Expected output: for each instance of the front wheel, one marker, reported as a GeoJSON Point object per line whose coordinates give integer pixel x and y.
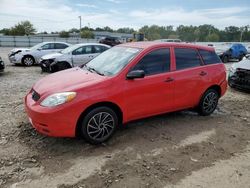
{"type": "Point", "coordinates": [99, 125]}
{"type": "Point", "coordinates": [28, 61]}
{"type": "Point", "coordinates": [208, 102]}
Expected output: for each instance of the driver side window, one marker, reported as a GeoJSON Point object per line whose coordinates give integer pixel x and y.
{"type": "Point", "coordinates": [155, 62]}
{"type": "Point", "coordinates": [48, 46]}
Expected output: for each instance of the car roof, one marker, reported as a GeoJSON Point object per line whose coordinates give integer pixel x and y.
{"type": "Point", "coordinates": [55, 42]}
{"type": "Point", "coordinates": [155, 44]}
{"type": "Point", "coordinates": [87, 44]}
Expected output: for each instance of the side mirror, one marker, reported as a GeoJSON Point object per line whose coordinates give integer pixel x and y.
{"type": "Point", "coordinates": [135, 74]}
{"type": "Point", "coordinates": [39, 49]}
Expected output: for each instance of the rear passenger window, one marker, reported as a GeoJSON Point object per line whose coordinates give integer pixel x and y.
{"type": "Point", "coordinates": [186, 58]}
{"type": "Point", "coordinates": [209, 57]}
{"type": "Point", "coordinates": [60, 46]}
{"type": "Point", "coordinates": [155, 62]}
{"type": "Point", "coordinates": [99, 49]}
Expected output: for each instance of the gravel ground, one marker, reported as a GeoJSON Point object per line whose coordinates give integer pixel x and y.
{"type": "Point", "coordinates": [178, 149]}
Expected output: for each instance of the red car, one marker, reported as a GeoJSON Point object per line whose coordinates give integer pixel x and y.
{"type": "Point", "coordinates": [127, 82]}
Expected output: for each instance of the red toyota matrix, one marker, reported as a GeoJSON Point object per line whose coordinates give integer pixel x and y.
{"type": "Point", "coordinates": [127, 82]}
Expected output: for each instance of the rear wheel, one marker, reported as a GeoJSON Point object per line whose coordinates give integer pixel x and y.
{"type": "Point", "coordinates": [28, 61]}
{"type": "Point", "coordinates": [99, 125]}
{"type": "Point", "coordinates": [241, 57]}
{"type": "Point", "coordinates": [208, 102]}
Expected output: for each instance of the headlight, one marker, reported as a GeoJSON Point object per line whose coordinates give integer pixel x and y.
{"type": "Point", "coordinates": [58, 98]}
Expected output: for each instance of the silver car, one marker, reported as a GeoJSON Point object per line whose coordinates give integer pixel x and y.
{"type": "Point", "coordinates": [72, 56]}
{"type": "Point", "coordinates": [30, 56]}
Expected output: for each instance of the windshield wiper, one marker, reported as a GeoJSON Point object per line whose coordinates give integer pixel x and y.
{"type": "Point", "coordinates": [91, 69]}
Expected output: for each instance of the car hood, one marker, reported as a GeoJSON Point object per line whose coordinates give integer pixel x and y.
{"type": "Point", "coordinates": [17, 50]}
{"type": "Point", "coordinates": [20, 49]}
{"type": "Point", "coordinates": [244, 64]}
{"type": "Point", "coordinates": [67, 80]}
{"type": "Point", "coordinates": [52, 56]}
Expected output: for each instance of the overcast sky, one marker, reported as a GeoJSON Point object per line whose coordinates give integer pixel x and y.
{"type": "Point", "coordinates": [56, 15]}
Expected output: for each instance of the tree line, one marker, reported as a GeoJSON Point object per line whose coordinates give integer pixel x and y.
{"type": "Point", "coordinates": [203, 33]}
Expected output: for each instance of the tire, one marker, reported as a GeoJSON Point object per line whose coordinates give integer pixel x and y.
{"type": "Point", "coordinates": [225, 59]}
{"type": "Point", "coordinates": [241, 57]}
{"type": "Point", "coordinates": [208, 102]}
{"type": "Point", "coordinates": [99, 125]}
{"type": "Point", "coordinates": [28, 61]}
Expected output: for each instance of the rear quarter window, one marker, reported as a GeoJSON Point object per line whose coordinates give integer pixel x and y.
{"type": "Point", "coordinates": [209, 57]}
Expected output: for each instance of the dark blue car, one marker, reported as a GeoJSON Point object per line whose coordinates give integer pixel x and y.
{"type": "Point", "coordinates": [236, 51]}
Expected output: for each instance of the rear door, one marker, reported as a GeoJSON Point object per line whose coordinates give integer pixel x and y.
{"type": "Point", "coordinates": [188, 77]}
{"type": "Point", "coordinates": [152, 94]}
{"type": "Point", "coordinates": [60, 46]}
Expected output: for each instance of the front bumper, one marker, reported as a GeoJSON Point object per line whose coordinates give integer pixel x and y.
{"type": "Point", "coordinates": [15, 59]}
{"type": "Point", "coordinates": [56, 122]}
{"type": "Point", "coordinates": [239, 80]}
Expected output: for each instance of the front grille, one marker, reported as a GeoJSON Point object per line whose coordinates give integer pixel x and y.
{"type": "Point", "coordinates": [35, 95]}
{"type": "Point", "coordinates": [243, 76]}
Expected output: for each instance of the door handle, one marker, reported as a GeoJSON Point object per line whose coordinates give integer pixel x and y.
{"type": "Point", "coordinates": [91, 56]}
{"type": "Point", "coordinates": [202, 73]}
{"type": "Point", "coordinates": [169, 79]}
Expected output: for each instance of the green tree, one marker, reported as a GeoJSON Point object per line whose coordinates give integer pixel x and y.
{"type": "Point", "coordinates": [213, 37]}
{"type": "Point", "coordinates": [23, 28]}
{"type": "Point", "coordinates": [87, 34]}
{"type": "Point", "coordinates": [64, 34]}
{"type": "Point", "coordinates": [73, 30]}
{"type": "Point", "coordinates": [5, 31]}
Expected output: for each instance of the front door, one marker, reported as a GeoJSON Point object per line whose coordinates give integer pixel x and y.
{"type": "Point", "coordinates": [152, 94]}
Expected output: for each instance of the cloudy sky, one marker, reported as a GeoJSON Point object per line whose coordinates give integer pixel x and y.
{"type": "Point", "coordinates": [56, 15]}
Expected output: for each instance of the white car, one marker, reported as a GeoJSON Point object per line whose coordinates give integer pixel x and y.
{"type": "Point", "coordinates": [30, 56]}
{"type": "Point", "coordinates": [72, 56]}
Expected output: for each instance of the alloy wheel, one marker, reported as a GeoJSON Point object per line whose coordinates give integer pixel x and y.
{"type": "Point", "coordinates": [100, 126]}
{"type": "Point", "coordinates": [210, 102]}
{"type": "Point", "coordinates": [28, 61]}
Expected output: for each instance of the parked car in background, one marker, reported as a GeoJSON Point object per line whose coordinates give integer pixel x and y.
{"type": "Point", "coordinates": [126, 82]}
{"type": "Point", "coordinates": [2, 66]}
{"type": "Point", "coordinates": [236, 51]}
{"type": "Point", "coordinates": [239, 75]}
{"type": "Point", "coordinates": [111, 41]}
{"type": "Point", "coordinates": [72, 56]}
{"type": "Point", "coordinates": [168, 40]}
{"type": "Point", "coordinates": [31, 56]}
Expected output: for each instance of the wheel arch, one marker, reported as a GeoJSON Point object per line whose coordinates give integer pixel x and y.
{"type": "Point", "coordinates": [111, 105]}
{"type": "Point", "coordinates": [216, 88]}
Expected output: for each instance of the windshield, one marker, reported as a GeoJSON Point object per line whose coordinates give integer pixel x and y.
{"type": "Point", "coordinates": [36, 46]}
{"type": "Point", "coordinates": [70, 49]}
{"type": "Point", "coordinates": [113, 60]}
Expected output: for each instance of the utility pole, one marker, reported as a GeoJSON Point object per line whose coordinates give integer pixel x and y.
{"type": "Point", "coordinates": [80, 17]}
